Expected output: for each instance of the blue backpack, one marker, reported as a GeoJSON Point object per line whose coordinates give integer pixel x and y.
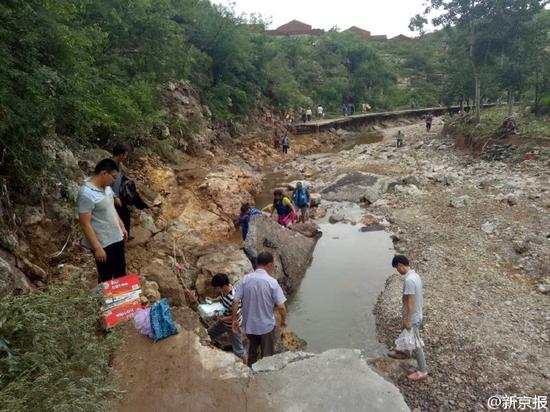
{"type": "Point", "coordinates": [301, 198]}
{"type": "Point", "coordinates": [162, 323]}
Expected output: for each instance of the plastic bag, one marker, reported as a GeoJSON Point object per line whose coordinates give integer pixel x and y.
{"type": "Point", "coordinates": [142, 322]}
{"type": "Point", "coordinates": [406, 341]}
{"type": "Point", "coordinates": [162, 323]}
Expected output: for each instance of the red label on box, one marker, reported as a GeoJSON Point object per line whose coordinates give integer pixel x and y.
{"type": "Point", "coordinates": [120, 313]}
{"type": "Point", "coordinates": [119, 286]}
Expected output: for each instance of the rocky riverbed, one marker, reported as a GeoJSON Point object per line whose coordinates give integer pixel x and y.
{"type": "Point", "coordinates": [478, 234]}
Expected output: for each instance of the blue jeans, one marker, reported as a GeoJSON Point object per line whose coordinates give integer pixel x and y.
{"type": "Point", "coordinates": [219, 328]}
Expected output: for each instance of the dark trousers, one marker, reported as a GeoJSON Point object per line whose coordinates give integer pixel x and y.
{"type": "Point", "coordinates": [266, 344]}
{"type": "Point", "coordinates": [115, 265]}
{"type": "Point", "coordinates": [124, 214]}
{"type": "Point", "coordinates": [285, 149]}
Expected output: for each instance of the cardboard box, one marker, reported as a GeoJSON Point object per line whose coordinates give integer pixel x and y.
{"type": "Point", "coordinates": [119, 313]}
{"type": "Point", "coordinates": [112, 290]}
{"type": "Point", "coordinates": [119, 299]}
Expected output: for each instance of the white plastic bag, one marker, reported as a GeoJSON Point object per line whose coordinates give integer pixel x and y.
{"type": "Point", "coordinates": [406, 341]}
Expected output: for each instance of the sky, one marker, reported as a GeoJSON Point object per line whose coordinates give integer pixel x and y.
{"type": "Point", "coordinates": [389, 17]}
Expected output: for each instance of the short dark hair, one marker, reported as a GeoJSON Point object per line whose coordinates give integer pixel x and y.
{"type": "Point", "coordinates": [245, 207]}
{"type": "Point", "coordinates": [220, 279]}
{"type": "Point", "coordinates": [120, 148]}
{"type": "Point", "coordinates": [264, 258]}
{"type": "Point", "coordinates": [106, 165]}
{"type": "Point", "coordinates": [397, 259]}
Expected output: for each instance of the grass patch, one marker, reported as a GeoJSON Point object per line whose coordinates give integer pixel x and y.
{"type": "Point", "coordinates": [56, 359]}
{"type": "Point", "coordinates": [529, 126]}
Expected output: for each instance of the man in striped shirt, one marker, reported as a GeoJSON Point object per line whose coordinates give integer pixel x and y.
{"type": "Point", "coordinates": [220, 282]}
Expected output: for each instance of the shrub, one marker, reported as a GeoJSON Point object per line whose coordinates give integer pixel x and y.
{"type": "Point", "coordinates": [56, 359]}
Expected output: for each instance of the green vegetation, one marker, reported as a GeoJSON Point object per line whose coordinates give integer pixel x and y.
{"type": "Point", "coordinates": [54, 359]}
{"type": "Point", "coordinates": [92, 71]}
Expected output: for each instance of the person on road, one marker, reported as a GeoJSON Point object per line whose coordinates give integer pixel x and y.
{"type": "Point", "coordinates": [309, 114]}
{"type": "Point", "coordinates": [429, 119]}
{"type": "Point", "coordinates": [400, 139]}
{"type": "Point", "coordinates": [104, 232]}
{"type": "Point", "coordinates": [344, 109]}
{"type": "Point", "coordinates": [224, 324]}
{"type": "Point", "coordinates": [320, 112]}
{"type": "Point", "coordinates": [285, 144]}
{"type": "Point", "coordinates": [259, 294]}
{"type": "Point", "coordinates": [300, 198]}
{"type": "Point", "coordinates": [284, 208]}
{"type": "Point", "coordinates": [412, 311]}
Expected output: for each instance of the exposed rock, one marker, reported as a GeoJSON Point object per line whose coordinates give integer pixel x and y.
{"type": "Point", "coordinates": [317, 213]}
{"type": "Point", "coordinates": [32, 271]}
{"type": "Point", "coordinates": [140, 236]}
{"type": "Point", "coordinates": [167, 279]}
{"type": "Point", "coordinates": [544, 289]}
{"type": "Point", "coordinates": [488, 227]}
{"type": "Point", "coordinates": [314, 199]}
{"type": "Point", "coordinates": [148, 223]}
{"type": "Point", "coordinates": [12, 280]}
{"type": "Point", "coordinates": [292, 251]}
{"type": "Point", "coordinates": [298, 382]}
{"type": "Point", "coordinates": [336, 218]}
{"type": "Point", "coordinates": [307, 229]}
{"type": "Point", "coordinates": [8, 241]}
{"type": "Point", "coordinates": [32, 216]}
{"type": "Point", "coordinates": [182, 238]}
{"type": "Point", "coordinates": [372, 228]}
{"type": "Point", "coordinates": [357, 187]}
{"type": "Point", "coordinates": [521, 246]}
{"type": "Point", "coordinates": [234, 263]}
{"type": "Point", "coordinates": [95, 155]}
{"type": "Point", "coordinates": [459, 202]}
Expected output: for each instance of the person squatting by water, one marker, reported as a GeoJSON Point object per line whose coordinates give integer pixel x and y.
{"type": "Point", "coordinates": [259, 294]}
{"type": "Point", "coordinates": [411, 311]}
{"type": "Point", "coordinates": [244, 218]}
{"type": "Point", "coordinates": [285, 144]}
{"type": "Point", "coordinates": [300, 198]}
{"type": "Point", "coordinates": [224, 324]}
{"type": "Point", "coordinates": [104, 232]}
{"type": "Point", "coordinates": [284, 208]}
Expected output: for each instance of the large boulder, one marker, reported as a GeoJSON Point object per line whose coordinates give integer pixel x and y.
{"type": "Point", "coordinates": [297, 381]}
{"type": "Point", "coordinates": [167, 279]}
{"type": "Point", "coordinates": [292, 251]}
{"type": "Point", "coordinates": [233, 262]}
{"type": "Point", "coordinates": [12, 280]}
{"type": "Point", "coordinates": [357, 187]}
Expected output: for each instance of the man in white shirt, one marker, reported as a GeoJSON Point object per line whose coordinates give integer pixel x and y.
{"type": "Point", "coordinates": [259, 294]}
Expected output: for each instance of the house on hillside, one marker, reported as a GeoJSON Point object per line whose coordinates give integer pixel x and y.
{"type": "Point", "coordinates": [295, 28]}
{"type": "Point", "coordinates": [365, 34]}
{"type": "Point", "coordinates": [401, 37]}
{"type": "Point", "coordinates": [360, 32]}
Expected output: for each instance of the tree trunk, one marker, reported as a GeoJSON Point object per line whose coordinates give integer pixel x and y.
{"type": "Point", "coordinates": [475, 69]}
{"type": "Point", "coordinates": [510, 102]}
{"type": "Point", "coordinates": [537, 97]}
{"type": "Point", "coordinates": [477, 101]}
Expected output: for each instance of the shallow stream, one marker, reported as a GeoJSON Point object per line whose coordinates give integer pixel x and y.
{"type": "Point", "coordinates": [333, 306]}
